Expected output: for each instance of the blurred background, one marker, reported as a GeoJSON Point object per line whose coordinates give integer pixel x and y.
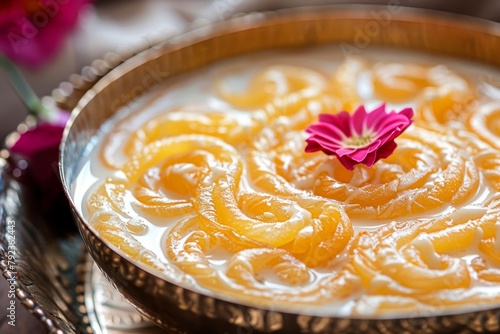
{"type": "Point", "coordinates": [124, 25]}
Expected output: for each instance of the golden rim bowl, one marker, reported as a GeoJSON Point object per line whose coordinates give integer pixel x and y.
{"type": "Point", "coordinates": [180, 310]}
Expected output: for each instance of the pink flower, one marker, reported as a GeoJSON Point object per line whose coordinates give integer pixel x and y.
{"type": "Point", "coordinates": [31, 31]}
{"type": "Point", "coordinates": [359, 138]}
{"type": "Point", "coordinates": [36, 154]}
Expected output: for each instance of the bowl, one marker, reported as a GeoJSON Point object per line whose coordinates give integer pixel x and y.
{"type": "Point", "coordinates": [180, 310]}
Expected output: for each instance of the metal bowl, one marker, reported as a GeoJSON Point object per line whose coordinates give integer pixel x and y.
{"type": "Point", "coordinates": [180, 310]}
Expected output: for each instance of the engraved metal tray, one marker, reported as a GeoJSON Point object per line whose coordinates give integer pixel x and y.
{"type": "Point", "coordinates": [59, 283]}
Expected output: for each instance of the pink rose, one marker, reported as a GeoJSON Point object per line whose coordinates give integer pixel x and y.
{"type": "Point", "coordinates": [31, 31]}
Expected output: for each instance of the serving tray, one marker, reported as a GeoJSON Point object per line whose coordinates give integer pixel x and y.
{"type": "Point", "coordinates": [58, 282]}
{"type": "Point", "coordinates": [55, 278]}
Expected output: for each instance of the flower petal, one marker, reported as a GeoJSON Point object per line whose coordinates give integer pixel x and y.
{"type": "Point", "coordinates": [370, 159]}
{"type": "Point", "coordinates": [340, 121]}
{"type": "Point", "coordinates": [357, 122]}
{"type": "Point", "coordinates": [408, 112]}
{"type": "Point", "coordinates": [346, 151]}
{"type": "Point", "coordinates": [376, 116]}
{"type": "Point", "coordinates": [326, 130]}
{"type": "Point", "coordinates": [359, 155]}
{"type": "Point", "coordinates": [386, 150]}
{"type": "Point", "coordinates": [317, 145]}
{"type": "Point", "coordinates": [392, 123]}
{"type": "Point", "coordinates": [347, 162]}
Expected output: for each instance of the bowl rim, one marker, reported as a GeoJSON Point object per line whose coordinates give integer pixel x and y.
{"type": "Point", "coordinates": [249, 21]}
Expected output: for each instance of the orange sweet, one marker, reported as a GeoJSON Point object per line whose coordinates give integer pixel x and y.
{"type": "Point", "coordinates": [246, 213]}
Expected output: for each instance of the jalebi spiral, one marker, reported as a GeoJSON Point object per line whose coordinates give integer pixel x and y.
{"type": "Point", "coordinates": [244, 212]}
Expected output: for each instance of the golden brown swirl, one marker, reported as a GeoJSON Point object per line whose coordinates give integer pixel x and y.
{"type": "Point", "coordinates": [246, 213]}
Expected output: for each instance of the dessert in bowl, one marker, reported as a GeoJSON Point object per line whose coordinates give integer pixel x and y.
{"type": "Point", "coordinates": [198, 197]}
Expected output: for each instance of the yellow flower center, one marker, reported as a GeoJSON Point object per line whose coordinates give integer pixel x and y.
{"type": "Point", "coordinates": [359, 141]}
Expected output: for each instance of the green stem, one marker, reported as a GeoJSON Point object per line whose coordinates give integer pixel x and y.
{"type": "Point", "coordinates": [22, 87]}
